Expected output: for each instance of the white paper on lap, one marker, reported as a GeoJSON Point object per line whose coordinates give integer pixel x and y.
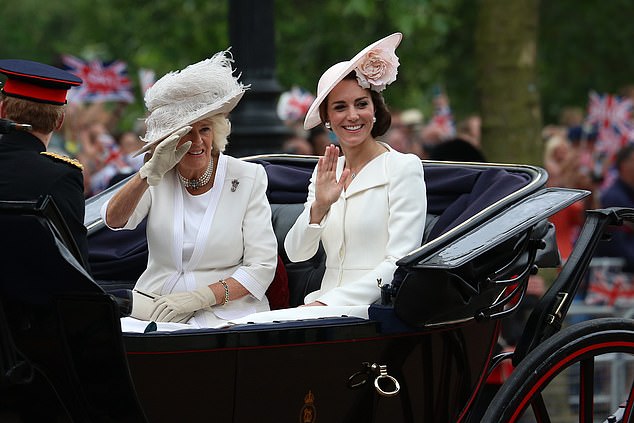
{"type": "Point", "coordinates": [130, 324]}
{"type": "Point", "coordinates": [301, 313]}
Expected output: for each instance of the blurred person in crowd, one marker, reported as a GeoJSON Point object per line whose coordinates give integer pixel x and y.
{"type": "Point", "coordinates": [212, 250]}
{"type": "Point", "coordinates": [561, 161]}
{"type": "Point", "coordinates": [101, 156]}
{"type": "Point", "coordinates": [441, 126]}
{"type": "Point", "coordinates": [370, 186]}
{"type": "Point", "coordinates": [591, 163]}
{"type": "Point", "coordinates": [621, 194]}
{"type": "Point", "coordinates": [319, 139]}
{"type": "Point", "coordinates": [456, 149]}
{"type": "Point", "coordinates": [412, 122]}
{"type": "Point", "coordinates": [35, 94]}
{"type": "Point", "coordinates": [431, 135]}
{"type": "Point", "coordinates": [397, 139]}
{"type": "Point", "coordinates": [297, 145]}
{"type": "Point", "coordinates": [469, 129]}
{"type": "Point", "coordinates": [129, 143]}
{"type": "Point", "coordinates": [549, 131]}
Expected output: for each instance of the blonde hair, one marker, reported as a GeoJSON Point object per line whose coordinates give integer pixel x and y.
{"type": "Point", "coordinates": [552, 144]}
{"type": "Point", "coordinates": [221, 128]}
{"type": "Point", "coordinates": [44, 118]}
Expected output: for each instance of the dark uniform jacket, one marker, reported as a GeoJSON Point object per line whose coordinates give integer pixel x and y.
{"type": "Point", "coordinates": [27, 172]}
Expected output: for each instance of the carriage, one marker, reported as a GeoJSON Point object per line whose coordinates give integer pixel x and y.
{"type": "Point", "coordinates": [428, 350]}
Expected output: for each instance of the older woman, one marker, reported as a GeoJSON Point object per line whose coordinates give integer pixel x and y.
{"type": "Point", "coordinates": [212, 250]}
{"type": "Point", "coordinates": [367, 206]}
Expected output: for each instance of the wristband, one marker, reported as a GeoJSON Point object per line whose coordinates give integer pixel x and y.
{"type": "Point", "coordinates": [226, 287]}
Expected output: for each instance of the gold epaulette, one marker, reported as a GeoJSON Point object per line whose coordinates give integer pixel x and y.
{"type": "Point", "coordinates": [65, 159]}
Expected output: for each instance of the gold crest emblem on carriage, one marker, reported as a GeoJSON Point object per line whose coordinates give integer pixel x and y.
{"type": "Point", "coordinates": [308, 413]}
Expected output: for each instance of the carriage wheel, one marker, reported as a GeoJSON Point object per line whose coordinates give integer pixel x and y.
{"type": "Point", "coordinates": [562, 379]}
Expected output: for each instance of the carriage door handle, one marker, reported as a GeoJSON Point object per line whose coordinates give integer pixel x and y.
{"type": "Point", "coordinates": [384, 384]}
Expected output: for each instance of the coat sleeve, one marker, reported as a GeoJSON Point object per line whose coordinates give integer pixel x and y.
{"type": "Point", "coordinates": [140, 212]}
{"type": "Point", "coordinates": [407, 203]}
{"type": "Point", "coordinates": [260, 245]}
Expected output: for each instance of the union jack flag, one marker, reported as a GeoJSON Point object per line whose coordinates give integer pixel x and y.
{"type": "Point", "coordinates": [612, 116]}
{"type": "Point", "coordinates": [610, 288]}
{"type": "Point", "coordinates": [103, 81]}
{"type": "Point", "coordinates": [294, 104]}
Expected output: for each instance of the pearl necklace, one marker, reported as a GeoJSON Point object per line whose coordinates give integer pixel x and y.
{"type": "Point", "coordinates": [200, 182]}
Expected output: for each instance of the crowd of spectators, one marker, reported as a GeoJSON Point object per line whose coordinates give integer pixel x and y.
{"type": "Point", "coordinates": [90, 134]}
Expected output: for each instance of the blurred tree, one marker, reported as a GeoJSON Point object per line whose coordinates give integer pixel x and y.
{"type": "Point", "coordinates": [583, 45]}
{"type": "Point", "coordinates": [506, 38]}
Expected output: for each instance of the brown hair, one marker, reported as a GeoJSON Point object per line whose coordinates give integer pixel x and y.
{"type": "Point", "coordinates": [42, 117]}
{"type": "Point", "coordinates": [381, 112]}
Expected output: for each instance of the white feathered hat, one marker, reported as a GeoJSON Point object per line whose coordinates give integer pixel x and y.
{"type": "Point", "coordinates": [183, 97]}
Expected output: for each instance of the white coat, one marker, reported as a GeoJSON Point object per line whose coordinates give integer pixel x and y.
{"type": "Point", "coordinates": [235, 239]}
{"type": "Point", "coordinates": [377, 220]}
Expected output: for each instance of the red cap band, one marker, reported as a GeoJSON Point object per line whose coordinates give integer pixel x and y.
{"type": "Point", "coordinates": [37, 92]}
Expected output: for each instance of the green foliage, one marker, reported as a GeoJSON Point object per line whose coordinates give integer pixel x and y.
{"type": "Point", "coordinates": [582, 45]}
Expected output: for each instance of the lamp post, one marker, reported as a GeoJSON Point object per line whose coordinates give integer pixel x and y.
{"type": "Point", "coordinates": [256, 128]}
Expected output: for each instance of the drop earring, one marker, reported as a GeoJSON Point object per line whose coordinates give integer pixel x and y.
{"type": "Point", "coordinates": [373, 119]}
{"type": "Point", "coordinates": [327, 125]}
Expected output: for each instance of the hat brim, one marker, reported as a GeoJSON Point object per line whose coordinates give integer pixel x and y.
{"type": "Point", "coordinates": [339, 71]}
{"type": "Point", "coordinates": [203, 113]}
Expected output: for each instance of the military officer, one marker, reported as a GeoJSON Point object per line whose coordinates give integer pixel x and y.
{"type": "Point", "coordinates": [35, 94]}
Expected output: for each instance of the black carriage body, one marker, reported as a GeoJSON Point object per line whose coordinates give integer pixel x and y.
{"type": "Point", "coordinates": [275, 372]}
{"type": "Point", "coordinates": [434, 330]}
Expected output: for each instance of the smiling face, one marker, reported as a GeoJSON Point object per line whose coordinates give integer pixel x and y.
{"type": "Point", "coordinates": [350, 111]}
{"type": "Point", "coordinates": [197, 159]}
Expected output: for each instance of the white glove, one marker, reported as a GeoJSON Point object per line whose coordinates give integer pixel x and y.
{"type": "Point", "coordinates": [165, 157]}
{"type": "Point", "coordinates": [143, 305]}
{"type": "Point", "coordinates": [172, 307]}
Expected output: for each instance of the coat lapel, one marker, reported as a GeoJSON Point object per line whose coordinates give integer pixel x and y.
{"type": "Point", "coordinates": [372, 175]}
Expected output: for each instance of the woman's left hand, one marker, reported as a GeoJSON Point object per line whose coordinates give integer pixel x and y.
{"type": "Point", "coordinates": [165, 157]}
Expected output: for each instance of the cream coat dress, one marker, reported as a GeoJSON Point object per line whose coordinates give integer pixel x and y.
{"type": "Point", "coordinates": [235, 239]}
{"type": "Point", "coordinates": [377, 220]}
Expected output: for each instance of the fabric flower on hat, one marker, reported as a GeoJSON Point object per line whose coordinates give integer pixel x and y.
{"type": "Point", "coordinates": [377, 69]}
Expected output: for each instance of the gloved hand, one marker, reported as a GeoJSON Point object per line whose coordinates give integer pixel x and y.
{"type": "Point", "coordinates": [165, 157]}
{"type": "Point", "coordinates": [171, 307]}
{"type": "Point", "coordinates": [143, 305]}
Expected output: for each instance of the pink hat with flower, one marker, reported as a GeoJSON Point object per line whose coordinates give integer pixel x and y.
{"type": "Point", "coordinates": [376, 67]}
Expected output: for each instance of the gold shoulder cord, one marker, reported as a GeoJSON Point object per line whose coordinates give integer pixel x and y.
{"type": "Point", "coordinates": [65, 159]}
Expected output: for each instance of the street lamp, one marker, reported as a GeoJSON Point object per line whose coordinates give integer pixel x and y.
{"type": "Point", "coordinates": [256, 127]}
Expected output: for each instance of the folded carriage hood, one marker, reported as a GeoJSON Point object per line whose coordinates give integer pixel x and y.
{"type": "Point", "coordinates": [495, 230]}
